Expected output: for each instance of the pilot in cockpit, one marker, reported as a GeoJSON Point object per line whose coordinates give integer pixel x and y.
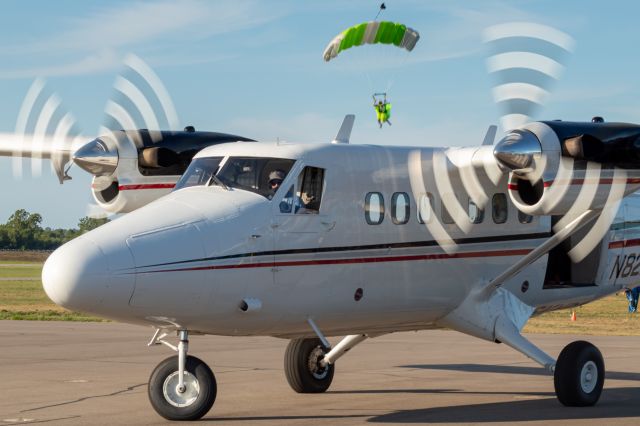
{"type": "Point", "coordinates": [275, 180]}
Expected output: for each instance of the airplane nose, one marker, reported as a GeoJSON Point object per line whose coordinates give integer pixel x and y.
{"type": "Point", "coordinates": [75, 274]}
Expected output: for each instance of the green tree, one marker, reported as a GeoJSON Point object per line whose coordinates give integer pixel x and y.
{"type": "Point", "coordinates": [4, 239]}
{"type": "Point", "coordinates": [22, 229]}
{"type": "Point", "coordinates": [87, 223]}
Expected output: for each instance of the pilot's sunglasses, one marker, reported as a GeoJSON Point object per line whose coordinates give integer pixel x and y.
{"type": "Point", "coordinates": [275, 182]}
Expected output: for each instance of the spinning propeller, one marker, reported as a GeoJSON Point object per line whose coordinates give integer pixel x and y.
{"type": "Point", "coordinates": [46, 130]}
{"type": "Point", "coordinates": [553, 168]}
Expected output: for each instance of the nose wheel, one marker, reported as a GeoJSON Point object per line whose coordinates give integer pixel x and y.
{"type": "Point", "coordinates": [189, 402]}
{"type": "Point", "coordinates": [181, 387]}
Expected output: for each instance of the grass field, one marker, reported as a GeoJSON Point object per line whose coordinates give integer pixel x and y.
{"type": "Point", "coordinates": [28, 270]}
{"type": "Point", "coordinates": [26, 300]}
{"type": "Point", "coordinates": [7, 256]}
{"type": "Point", "coordinates": [608, 316]}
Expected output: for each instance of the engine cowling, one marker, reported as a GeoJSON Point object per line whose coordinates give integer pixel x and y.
{"type": "Point", "coordinates": [556, 166]}
{"type": "Point", "coordinates": [134, 167]}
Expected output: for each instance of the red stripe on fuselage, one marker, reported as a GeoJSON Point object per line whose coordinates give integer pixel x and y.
{"type": "Point", "coordinates": [625, 243]}
{"type": "Point", "coordinates": [607, 181]}
{"type": "Point", "coordinates": [146, 186]}
{"type": "Point", "coordinates": [407, 258]}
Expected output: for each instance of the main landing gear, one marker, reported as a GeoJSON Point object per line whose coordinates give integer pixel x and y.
{"type": "Point", "coordinates": [578, 373]}
{"type": "Point", "coordinates": [181, 387]}
{"type": "Point", "coordinates": [303, 366]}
{"type": "Point", "coordinates": [309, 363]}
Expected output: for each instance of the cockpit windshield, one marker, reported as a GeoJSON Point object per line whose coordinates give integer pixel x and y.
{"type": "Point", "coordinates": [199, 172]}
{"type": "Point", "coordinates": [256, 174]}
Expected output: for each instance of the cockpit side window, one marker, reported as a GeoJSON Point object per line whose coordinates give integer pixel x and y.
{"type": "Point", "coordinates": [310, 183]}
{"type": "Point", "coordinates": [253, 173]}
{"type": "Point", "coordinates": [247, 173]}
{"type": "Point", "coordinates": [305, 196]}
{"type": "Point", "coordinates": [199, 172]}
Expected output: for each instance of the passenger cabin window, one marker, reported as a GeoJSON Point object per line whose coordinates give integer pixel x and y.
{"type": "Point", "coordinates": [476, 214]}
{"type": "Point", "coordinates": [524, 218]}
{"type": "Point", "coordinates": [446, 217]}
{"type": "Point", "coordinates": [400, 208]}
{"type": "Point", "coordinates": [499, 208]}
{"type": "Point", "coordinates": [374, 208]}
{"type": "Point", "coordinates": [425, 207]}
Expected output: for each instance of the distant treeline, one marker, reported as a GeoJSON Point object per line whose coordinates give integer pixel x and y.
{"type": "Point", "coordinates": [23, 232]}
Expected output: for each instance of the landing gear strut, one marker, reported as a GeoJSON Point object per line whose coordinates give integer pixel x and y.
{"type": "Point", "coordinates": [578, 374]}
{"type": "Point", "coordinates": [309, 363]}
{"type": "Point", "coordinates": [181, 387]}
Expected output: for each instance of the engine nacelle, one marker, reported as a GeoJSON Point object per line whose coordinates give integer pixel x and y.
{"type": "Point", "coordinates": [135, 167]}
{"type": "Point", "coordinates": [553, 174]}
{"type": "Point", "coordinates": [128, 192]}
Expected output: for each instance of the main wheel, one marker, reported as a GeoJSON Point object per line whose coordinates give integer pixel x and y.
{"type": "Point", "coordinates": [579, 375]}
{"type": "Point", "coordinates": [302, 366]}
{"type": "Point", "coordinates": [194, 401]}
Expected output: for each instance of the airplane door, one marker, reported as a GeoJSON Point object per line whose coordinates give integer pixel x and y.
{"type": "Point", "coordinates": [300, 226]}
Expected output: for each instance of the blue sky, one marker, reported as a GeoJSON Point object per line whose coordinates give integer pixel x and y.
{"type": "Point", "coordinates": [255, 68]}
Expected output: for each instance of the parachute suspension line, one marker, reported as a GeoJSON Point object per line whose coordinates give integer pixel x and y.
{"type": "Point", "coordinates": [392, 78]}
{"type": "Point", "coordinates": [370, 82]}
{"type": "Point", "coordinates": [382, 7]}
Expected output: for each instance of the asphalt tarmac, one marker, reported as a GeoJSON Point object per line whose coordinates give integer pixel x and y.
{"type": "Point", "coordinates": [96, 374]}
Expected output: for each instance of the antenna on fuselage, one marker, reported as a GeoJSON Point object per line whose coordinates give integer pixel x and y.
{"type": "Point", "coordinates": [345, 129]}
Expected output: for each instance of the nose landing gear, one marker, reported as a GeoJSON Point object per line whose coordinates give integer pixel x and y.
{"type": "Point", "coordinates": [181, 387]}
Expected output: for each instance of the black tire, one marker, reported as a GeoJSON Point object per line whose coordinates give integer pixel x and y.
{"type": "Point", "coordinates": [574, 379]}
{"type": "Point", "coordinates": [301, 366]}
{"type": "Point", "coordinates": [200, 398]}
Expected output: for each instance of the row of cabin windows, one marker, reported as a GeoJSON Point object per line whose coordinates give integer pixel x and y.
{"type": "Point", "coordinates": [374, 209]}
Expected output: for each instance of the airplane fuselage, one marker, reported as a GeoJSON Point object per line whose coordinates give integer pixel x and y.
{"type": "Point", "coordinates": [367, 257]}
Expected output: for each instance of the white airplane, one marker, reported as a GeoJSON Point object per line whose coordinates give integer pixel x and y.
{"type": "Point", "coordinates": [310, 241]}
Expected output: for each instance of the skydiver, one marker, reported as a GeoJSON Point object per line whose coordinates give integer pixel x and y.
{"type": "Point", "coordinates": [383, 111]}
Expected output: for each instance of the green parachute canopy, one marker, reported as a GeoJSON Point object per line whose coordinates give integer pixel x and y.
{"type": "Point", "coordinates": [376, 32]}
